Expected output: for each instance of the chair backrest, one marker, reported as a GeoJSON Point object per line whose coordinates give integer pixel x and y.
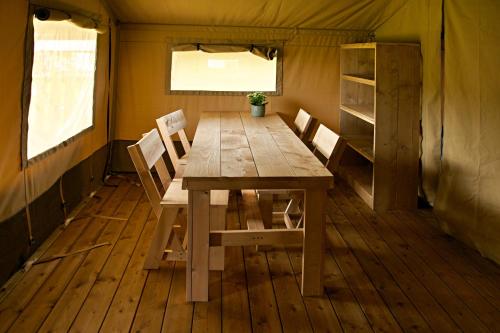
{"type": "Point", "coordinates": [172, 123]}
{"type": "Point", "coordinates": [302, 123]}
{"type": "Point", "coordinates": [145, 154]}
{"type": "Point", "coordinates": [330, 145]}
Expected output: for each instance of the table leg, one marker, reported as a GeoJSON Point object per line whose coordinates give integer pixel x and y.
{"type": "Point", "coordinates": [198, 246]}
{"type": "Point", "coordinates": [314, 242]}
{"type": "Point", "coordinates": [217, 222]}
{"type": "Point", "coordinates": [266, 208]}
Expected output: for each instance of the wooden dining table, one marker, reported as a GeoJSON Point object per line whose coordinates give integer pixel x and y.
{"type": "Point", "coordinates": [234, 151]}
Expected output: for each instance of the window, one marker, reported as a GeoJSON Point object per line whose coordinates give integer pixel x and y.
{"type": "Point", "coordinates": [223, 72]}
{"type": "Point", "coordinates": [62, 87]}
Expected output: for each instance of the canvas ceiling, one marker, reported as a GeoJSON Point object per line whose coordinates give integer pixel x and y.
{"type": "Point", "coordinates": [313, 14]}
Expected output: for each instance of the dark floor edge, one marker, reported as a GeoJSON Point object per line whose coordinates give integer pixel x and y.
{"type": "Point", "coordinates": [47, 212]}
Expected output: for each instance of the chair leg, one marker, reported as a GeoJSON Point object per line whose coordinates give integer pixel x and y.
{"type": "Point", "coordinates": [217, 222]}
{"type": "Point", "coordinates": [177, 251]}
{"type": "Point", "coordinates": [301, 221]}
{"type": "Point", "coordinates": [266, 208]}
{"type": "Point", "coordinates": [160, 239]}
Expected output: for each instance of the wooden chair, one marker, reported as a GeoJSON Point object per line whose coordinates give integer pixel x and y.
{"type": "Point", "coordinates": [302, 122]}
{"type": "Point", "coordinates": [169, 125]}
{"type": "Point", "coordinates": [331, 146]}
{"type": "Point", "coordinates": [145, 154]}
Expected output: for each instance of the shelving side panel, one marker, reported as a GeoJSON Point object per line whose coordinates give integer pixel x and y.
{"type": "Point", "coordinates": [396, 127]}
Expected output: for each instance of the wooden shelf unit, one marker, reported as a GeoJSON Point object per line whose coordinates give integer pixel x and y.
{"type": "Point", "coordinates": [379, 117]}
{"type": "Point", "coordinates": [360, 79]}
{"type": "Point", "coordinates": [363, 144]}
{"type": "Point", "coordinates": [363, 111]}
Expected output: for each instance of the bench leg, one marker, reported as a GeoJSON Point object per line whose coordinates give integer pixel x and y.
{"type": "Point", "coordinates": [217, 222]}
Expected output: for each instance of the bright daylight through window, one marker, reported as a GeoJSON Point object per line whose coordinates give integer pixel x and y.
{"type": "Point", "coordinates": [232, 72]}
{"type": "Point", "coordinates": [62, 89]}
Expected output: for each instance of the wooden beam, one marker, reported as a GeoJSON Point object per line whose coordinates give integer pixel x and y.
{"type": "Point", "coordinates": [254, 237]}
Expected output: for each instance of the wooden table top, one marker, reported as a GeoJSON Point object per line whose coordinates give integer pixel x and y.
{"type": "Point", "coordinates": [233, 150]}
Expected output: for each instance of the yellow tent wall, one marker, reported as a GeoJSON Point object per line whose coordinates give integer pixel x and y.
{"type": "Point", "coordinates": [463, 182]}
{"type": "Point", "coordinates": [37, 185]}
{"type": "Point", "coordinates": [310, 79]}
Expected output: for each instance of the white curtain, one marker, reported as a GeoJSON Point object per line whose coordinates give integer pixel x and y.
{"type": "Point", "coordinates": [62, 89]}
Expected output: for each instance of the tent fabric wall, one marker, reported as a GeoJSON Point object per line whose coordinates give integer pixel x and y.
{"type": "Point", "coordinates": [420, 21]}
{"type": "Point", "coordinates": [310, 79]}
{"type": "Point", "coordinates": [19, 187]}
{"type": "Point", "coordinates": [468, 199]}
{"type": "Point", "coordinates": [463, 184]}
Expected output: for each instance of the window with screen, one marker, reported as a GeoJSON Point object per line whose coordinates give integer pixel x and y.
{"type": "Point", "coordinates": [62, 85]}
{"type": "Point", "coordinates": [230, 72]}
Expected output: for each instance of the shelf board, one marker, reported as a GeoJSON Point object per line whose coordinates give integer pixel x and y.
{"type": "Point", "coordinates": [363, 144]}
{"type": "Point", "coordinates": [362, 111]}
{"type": "Point", "coordinates": [359, 177]}
{"type": "Point", "coordinates": [359, 79]}
{"type": "Point", "coordinates": [359, 46]}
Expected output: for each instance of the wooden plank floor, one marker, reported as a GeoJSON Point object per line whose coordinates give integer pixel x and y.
{"type": "Point", "coordinates": [383, 273]}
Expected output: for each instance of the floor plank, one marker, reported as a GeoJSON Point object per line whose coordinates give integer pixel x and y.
{"type": "Point", "coordinates": [235, 305]}
{"type": "Point", "coordinates": [291, 306]}
{"type": "Point", "coordinates": [65, 310]}
{"type": "Point", "coordinates": [122, 310]}
{"type": "Point", "coordinates": [207, 315]}
{"type": "Point", "coordinates": [151, 309]}
{"type": "Point", "coordinates": [263, 307]}
{"type": "Point", "coordinates": [377, 313]}
{"type": "Point", "coordinates": [42, 303]}
{"type": "Point", "coordinates": [345, 303]}
{"type": "Point", "coordinates": [179, 314]}
{"type": "Point", "coordinates": [373, 225]}
{"type": "Point", "coordinates": [451, 251]}
{"type": "Point", "coordinates": [385, 272]}
{"type": "Point", "coordinates": [23, 291]}
{"type": "Point", "coordinates": [398, 302]}
{"type": "Point", "coordinates": [95, 307]}
{"type": "Point", "coordinates": [456, 282]}
{"type": "Point", "coordinates": [320, 311]}
{"type": "Point", "coordinates": [409, 285]}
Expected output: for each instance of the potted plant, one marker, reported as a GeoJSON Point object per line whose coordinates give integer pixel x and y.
{"type": "Point", "coordinates": [257, 104]}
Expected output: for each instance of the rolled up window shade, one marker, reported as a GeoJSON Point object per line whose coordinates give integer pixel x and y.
{"type": "Point", "coordinates": [82, 21]}
{"type": "Point", "coordinates": [266, 52]}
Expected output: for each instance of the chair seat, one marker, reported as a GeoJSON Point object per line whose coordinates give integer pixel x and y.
{"type": "Point", "coordinates": [175, 196]}
{"type": "Point", "coordinates": [183, 159]}
{"type": "Point", "coordinates": [275, 191]}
